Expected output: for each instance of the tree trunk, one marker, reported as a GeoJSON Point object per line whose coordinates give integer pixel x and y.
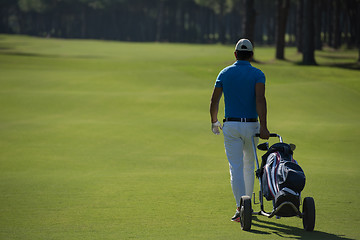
{"type": "Point", "coordinates": [330, 25]}
{"type": "Point", "coordinates": [299, 30]}
{"type": "Point", "coordinates": [83, 22]}
{"type": "Point", "coordinates": [281, 20]}
{"type": "Point", "coordinates": [358, 29]}
{"type": "Point", "coordinates": [159, 24]}
{"type": "Point", "coordinates": [308, 33]}
{"type": "Point", "coordinates": [222, 31]}
{"type": "Point", "coordinates": [249, 20]}
{"type": "Point", "coordinates": [336, 23]}
{"type": "Point", "coordinates": [317, 24]}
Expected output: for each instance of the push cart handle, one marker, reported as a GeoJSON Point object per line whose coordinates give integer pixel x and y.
{"type": "Point", "coordinates": [271, 135]}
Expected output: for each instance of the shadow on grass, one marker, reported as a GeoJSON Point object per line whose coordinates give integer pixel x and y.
{"type": "Point", "coordinates": [25, 54]}
{"type": "Point", "coordinates": [332, 56]}
{"type": "Point", "coordinates": [349, 65]}
{"type": "Point", "coordinates": [346, 64]}
{"type": "Point", "coordinates": [287, 232]}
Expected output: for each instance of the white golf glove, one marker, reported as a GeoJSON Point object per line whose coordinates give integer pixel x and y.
{"type": "Point", "coordinates": [215, 127]}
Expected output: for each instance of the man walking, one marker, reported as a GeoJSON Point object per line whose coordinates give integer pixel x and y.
{"type": "Point", "coordinates": [244, 95]}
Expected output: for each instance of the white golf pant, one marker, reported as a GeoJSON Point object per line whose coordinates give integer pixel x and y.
{"type": "Point", "coordinates": [240, 154]}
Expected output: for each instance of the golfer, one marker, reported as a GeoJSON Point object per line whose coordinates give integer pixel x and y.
{"type": "Point", "coordinates": [244, 95]}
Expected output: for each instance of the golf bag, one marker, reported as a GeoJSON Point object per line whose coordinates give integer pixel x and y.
{"type": "Point", "coordinates": [282, 178]}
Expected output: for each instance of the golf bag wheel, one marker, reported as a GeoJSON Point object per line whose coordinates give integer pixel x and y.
{"type": "Point", "coordinates": [245, 213]}
{"type": "Point", "coordinates": [309, 214]}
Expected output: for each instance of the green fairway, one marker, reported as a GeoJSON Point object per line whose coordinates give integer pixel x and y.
{"type": "Point", "coordinates": [112, 140]}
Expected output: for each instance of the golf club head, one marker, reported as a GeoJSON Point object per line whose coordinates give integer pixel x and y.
{"type": "Point", "coordinates": [263, 146]}
{"type": "Point", "coordinates": [292, 146]}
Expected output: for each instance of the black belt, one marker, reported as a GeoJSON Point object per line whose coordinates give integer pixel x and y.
{"type": "Point", "coordinates": [240, 120]}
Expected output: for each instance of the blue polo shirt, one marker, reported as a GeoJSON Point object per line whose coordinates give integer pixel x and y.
{"type": "Point", "coordinates": [238, 84]}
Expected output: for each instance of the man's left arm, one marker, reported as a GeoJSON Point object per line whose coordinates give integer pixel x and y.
{"type": "Point", "coordinates": [261, 109]}
{"type": "Point", "coordinates": [214, 104]}
{"type": "Point", "coordinates": [214, 109]}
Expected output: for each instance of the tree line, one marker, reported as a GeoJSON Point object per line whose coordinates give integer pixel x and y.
{"type": "Point", "coordinates": [307, 24]}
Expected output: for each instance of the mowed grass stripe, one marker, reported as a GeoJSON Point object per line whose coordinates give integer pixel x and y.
{"type": "Point", "coordinates": [108, 140]}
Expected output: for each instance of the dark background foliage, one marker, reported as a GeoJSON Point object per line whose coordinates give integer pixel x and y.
{"type": "Point", "coordinates": [307, 24]}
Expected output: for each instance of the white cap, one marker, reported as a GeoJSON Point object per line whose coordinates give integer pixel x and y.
{"type": "Point", "coordinates": [243, 45]}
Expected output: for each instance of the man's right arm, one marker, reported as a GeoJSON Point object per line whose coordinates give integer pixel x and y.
{"type": "Point", "coordinates": [262, 110]}
{"type": "Point", "coordinates": [214, 103]}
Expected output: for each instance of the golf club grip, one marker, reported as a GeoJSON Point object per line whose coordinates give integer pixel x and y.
{"type": "Point", "coordinates": [271, 135]}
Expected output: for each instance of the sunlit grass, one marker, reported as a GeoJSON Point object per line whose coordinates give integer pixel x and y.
{"type": "Point", "coordinates": [111, 140]}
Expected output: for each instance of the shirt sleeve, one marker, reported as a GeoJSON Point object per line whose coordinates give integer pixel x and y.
{"type": "Point", "coordinates": [260, 77]}
{"type": "Point", "coordinates": [219, 82]}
